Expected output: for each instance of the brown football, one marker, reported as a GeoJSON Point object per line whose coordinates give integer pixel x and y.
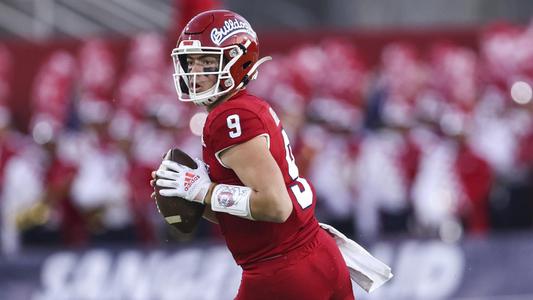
{"type": "Point", "coordinates": [184, 215]}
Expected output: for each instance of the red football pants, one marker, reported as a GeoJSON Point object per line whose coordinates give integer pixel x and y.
{"type": "Point", "coordinates": [315, 271]}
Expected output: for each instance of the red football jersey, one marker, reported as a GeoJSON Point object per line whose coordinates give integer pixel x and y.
{"type": "Point", "coordinates": [238, 120]}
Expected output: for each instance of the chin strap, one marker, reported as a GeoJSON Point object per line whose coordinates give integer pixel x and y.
{"type": "Point", "coordinates": [252, 74]}
{"type": "Point", "coordinates": [257, 64]}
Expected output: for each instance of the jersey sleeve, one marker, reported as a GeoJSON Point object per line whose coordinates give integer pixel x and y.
{"type": "Point", "coordinates": [234, 126]}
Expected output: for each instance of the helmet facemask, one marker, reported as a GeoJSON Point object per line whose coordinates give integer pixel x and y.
{"type": "Point", "coordinates": [186, 81]}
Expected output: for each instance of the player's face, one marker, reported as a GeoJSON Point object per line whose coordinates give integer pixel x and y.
{"type": "Point", "coordinates": [198, 63]}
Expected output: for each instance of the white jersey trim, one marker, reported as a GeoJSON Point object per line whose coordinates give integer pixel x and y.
{"type": "Point", "coordinates": [218, 153]}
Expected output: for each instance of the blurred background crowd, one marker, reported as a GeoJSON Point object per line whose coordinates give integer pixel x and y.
{"type": "Point", "coordinates": [420, 134]}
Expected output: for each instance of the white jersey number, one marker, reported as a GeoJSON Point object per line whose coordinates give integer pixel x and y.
{"type": "Point", "coordinates": [293, 169]}
{"type": "Point", "coordinates": [234, 124]}
{"type": "Point", "coordinates": [301, 189]}
{"type": "Point", "coordinates": [303, 193]}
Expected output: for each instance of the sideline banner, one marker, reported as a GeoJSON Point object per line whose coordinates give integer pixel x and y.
{"type": "Point", "coordinates": [493, 268]}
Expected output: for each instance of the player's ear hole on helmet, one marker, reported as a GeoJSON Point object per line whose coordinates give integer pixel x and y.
{"type": "Point", "coordinates": [246, 65]}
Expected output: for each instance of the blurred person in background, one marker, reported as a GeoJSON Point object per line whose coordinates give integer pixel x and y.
{"type": "Point", "coordinates": [506, 55]}
{"type": "Point", "coordinates": [12, 144]}
{"type": "Point", "coordinates": [525, 152]}
{"type": "Point", "coordinates": [7, 147]}
{"type": "Point", "coordinates": [100, 188]}
{"type": "Point", "coordinates": [459, 69]}
{"type": "Point", "coordinates": [39, 206]}
{"type": "Point", "coordinates": [144, 78]}
{"type": "Point", "coordinates": [58, 167]}
{"type": "Point", "coordinates": [335, 115]}
{"type": "Point", "coordinates": [21, 200]}
{"type": "Point", "coordinates": [98, 70]}
{"type": "Point", "coordinates": [388, 155]}
{"type": "Point", "coordinates": [264, 208]}
{"type": "Point", "coordinates": [451, 191]}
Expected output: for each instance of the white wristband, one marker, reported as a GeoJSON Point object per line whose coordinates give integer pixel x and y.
{"type": "Point", "coordinates": [232, 199]}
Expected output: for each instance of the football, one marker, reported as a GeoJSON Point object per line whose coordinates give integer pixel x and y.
{"type": "Point", "coordinates": [184, 215]}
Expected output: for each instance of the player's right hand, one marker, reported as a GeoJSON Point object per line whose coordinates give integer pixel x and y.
{"type": "Point", "coordinates": [176, 180]}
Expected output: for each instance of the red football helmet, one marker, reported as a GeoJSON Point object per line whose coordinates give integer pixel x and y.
{"type": "Point", "coordinates": [225, 35]}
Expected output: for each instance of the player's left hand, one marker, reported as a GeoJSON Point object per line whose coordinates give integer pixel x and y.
{"type": "Point", "coordinates": [176, 180]}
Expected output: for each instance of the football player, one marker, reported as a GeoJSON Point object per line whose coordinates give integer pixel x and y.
{"type": "Point", "coordinates": [252, 188]}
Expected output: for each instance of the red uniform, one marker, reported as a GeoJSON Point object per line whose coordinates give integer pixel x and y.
{"type": "Point", "coordinates": [291, 260]}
